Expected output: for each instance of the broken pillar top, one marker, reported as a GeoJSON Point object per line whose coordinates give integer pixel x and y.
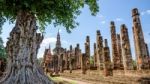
{"type": "Point", "coordinates": [123, 27]}
{"type": "Point", "coordinates": [112, 23]}
{"type": "Point", "coordinates": [78, 44]}
{"type": "Point", "coordinates": [105, 43]}
{"type": "Point", "coordinates": [87, 38]}
{"type": "Point", "coordinates": [135, 12]}
{"type": "Point", "coordinates": [98, 32]}
{"type": "Point", "coordinates": [70, 47]}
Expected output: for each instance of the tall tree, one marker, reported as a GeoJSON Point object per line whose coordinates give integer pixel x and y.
{"type": "Point", "coordinates": [24, 42]}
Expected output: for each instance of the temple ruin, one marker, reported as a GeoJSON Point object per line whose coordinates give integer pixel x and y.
{"type": "Point", "coordinates": [74, 59]}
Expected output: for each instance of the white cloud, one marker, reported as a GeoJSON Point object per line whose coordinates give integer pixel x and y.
{"type": "Point", "coordinates": [48, 41]}
{"type": "Point", "coordinates": [100, 16]}
{"type": "Point", "coordinates": [4, 42]}
{"type": "Point", "coordinates": [142, 13]}
{"type": "Point", "coordinates": [65, 42]}
{"type": "Point", "coordinates": [118, 19]}
{"type": "Point", "coordinates": [51, 40]}
{"type": "Point", "coordinates": [145, 12]}
{"type": "Point", "coordinates": [148, 11]}
{"type": "Point", "coordinates": [103, 22]}
{"type": "Point", "coordinates": [45, 44]}
{"type": "Point", "coordinates": [60, 30]}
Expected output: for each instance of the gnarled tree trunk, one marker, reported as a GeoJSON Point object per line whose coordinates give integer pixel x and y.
{"type": "Point", "coordinates": [22, 48]}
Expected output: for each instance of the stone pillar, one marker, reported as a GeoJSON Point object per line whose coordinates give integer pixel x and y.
{"type": "Point", "coordinates": [87, 52]}
{"type": "Point", "coordinates": [70, 59]}
{"type": "Point", "coordinates": [83, 63]}
{"type": "Point", "coordinates": [80, 58]}
{"type": "Point", "coordinates": [61, 63]}
{"type": "Point", "coordinates": [99, 51]}
{"type": "Point", "coordinates": [77, 55]}
{"type": "Point", "coordinates": [95, 56]}
{"type": "Point", "coordinates": [108, 70]}
{"type": "Point", "coordinates": [73, 59]}
{"type": "Point", "coordinates": [65, 58]}
{"type": "Point", "coordinates": [148, 56]}
{"type": "Point", "coordinates": [140, 48]}
{"type": "Point", "coordinates": [55, 62]}
{"type": "Point", "coordinates": [147, 50]}
{"type": "Point", "coordinates": [116, 58]}
{"type": "Point", "coordinates": [126, 50]}
{"type": "Point", "coordinates": [119, 51]}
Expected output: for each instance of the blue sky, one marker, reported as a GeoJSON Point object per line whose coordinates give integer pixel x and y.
{"type": "Point", "coordinates": [110, 10]}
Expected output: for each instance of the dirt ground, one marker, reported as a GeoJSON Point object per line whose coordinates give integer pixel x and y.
{"type": "Point", "coordinates": [93, 77]}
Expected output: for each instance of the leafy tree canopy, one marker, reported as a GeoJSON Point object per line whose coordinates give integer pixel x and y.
{"type": "Point", "coordinates": [58, 12]}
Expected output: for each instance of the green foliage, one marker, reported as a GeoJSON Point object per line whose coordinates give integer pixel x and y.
{"type": "Point", "coordinates": [40, 60]}
{"type": "Point", "coordinates": [92, 60]}
{"type": "Point", "coordinates": [58, 12]}
{"type": "Point", "coordinates": [2, 49]}
{"type": "Point", "coordinates": [134, 64]}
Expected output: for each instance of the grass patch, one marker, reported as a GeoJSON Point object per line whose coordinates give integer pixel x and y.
{"type": "Point", "coordinates": [58, 80]}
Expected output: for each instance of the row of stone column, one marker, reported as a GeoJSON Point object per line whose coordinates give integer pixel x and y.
{"type": "Point", "coordinates": [141, 49]}
{"type": "Point", "coordinates": [121, 50]}
{"type": "Point", "coordinates": [101, 56]}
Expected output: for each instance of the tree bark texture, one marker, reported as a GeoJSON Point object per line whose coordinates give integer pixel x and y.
{"type": "Point", "coordinates": [22, 48]}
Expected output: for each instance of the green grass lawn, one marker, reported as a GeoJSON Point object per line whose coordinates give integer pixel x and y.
{"type": "Point", "coordinates": [58, 80]}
